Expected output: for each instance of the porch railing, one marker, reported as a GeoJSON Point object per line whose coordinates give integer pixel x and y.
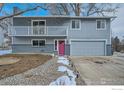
{"type": "Point", "coordinates": [38, 31]}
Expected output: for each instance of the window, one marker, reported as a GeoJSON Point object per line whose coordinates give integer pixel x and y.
{"type": "Point", "coordinates": [41, 42]}
{"type": "Point", "coordinates": [35, 43]}
{"type": "Point", "coordinates": [101, 24]}
{"type": "Point", "coordinates": [55, 45]}
{"type": "Point", "coordinates": [75, 24]}
{"type": "Point", "coordinates": [39, 27]}
{"type": "Point", "coordinates": [38, 43]}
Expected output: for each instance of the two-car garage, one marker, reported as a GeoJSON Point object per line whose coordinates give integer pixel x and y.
{"type": "Point", "coordinates": [87, 47]}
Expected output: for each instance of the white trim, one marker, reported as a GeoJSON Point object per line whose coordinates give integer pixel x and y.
{"type": "Point", "coordinates": [110, 32]}
{"type": "Point", "coordinates": [38, 40]}
{"type": "Point", "coordinates": [12, 40]}
{"type": "Point", "coordinates": [38, 20]}
{"type": "Point", "coordinates": [58, 44]}
{"type": "Point", "coordinates": [61, 16]}
{"type": "Point", "coordinates": [100, 28]}
{"type": "Point", "coordinates": [42, 35]}
{"type": "Point", "coordinates": [75, 28]}
{"type": "Point", "coordinates": [54, 44]}
{"type": "Point", "coordinates": [105, 40]}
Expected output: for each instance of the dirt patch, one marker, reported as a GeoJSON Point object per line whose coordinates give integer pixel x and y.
{"type": "Point", "coordinates": [9, 60]}
{"type": "Point", "coordinates": [25, 62]}
{"type": "Point", "coordinates": [98, 60]}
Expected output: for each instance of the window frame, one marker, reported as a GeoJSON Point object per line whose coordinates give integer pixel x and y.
{"type": "Point", "coordinates": [56, 46]}
{"type": "Point", "coordinates": [38, 42]}
{"type": "Point", "coordinates": [79, 24]}
{"type": "Point", "coordinates": [38, 26]}
{"type": "Point", "coordinates": [100, 24]}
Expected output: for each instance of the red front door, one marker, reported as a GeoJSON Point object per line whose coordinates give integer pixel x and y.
{"type": "Point", "coordinates": [61, 47]}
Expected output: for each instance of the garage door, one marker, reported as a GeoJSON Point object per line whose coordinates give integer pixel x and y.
{"type": "Point", "coordinates": [87, 48]}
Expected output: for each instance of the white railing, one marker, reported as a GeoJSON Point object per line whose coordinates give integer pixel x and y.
{"type": "Point", "coordinates": [39, 31]}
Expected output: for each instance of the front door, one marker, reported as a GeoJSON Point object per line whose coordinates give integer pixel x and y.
{"type": "Point", "coordinates": [61, 47]}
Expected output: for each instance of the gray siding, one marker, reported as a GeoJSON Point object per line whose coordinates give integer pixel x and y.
{"type": "Point", "coordinates": [88, 31]}
{"type": "Point", "coordinates": [88, 27]}
{"type": "Point", "coordinates": [48, 48]}
{"type": "Point", "coordinates": [108, 50]}
{"type": "Point", "coordinates": [28, 48]}
{"type": "Point", "coordinates": [49, 21]}
{"type": "Point", "coordinates": [67, 49]}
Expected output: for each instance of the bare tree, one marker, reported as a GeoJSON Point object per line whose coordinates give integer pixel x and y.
{"type": "Point", "coordinates": [116, 44]}
{"type": "Point", "coordinates": [79, 9]}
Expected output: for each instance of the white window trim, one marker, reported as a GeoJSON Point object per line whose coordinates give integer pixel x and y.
{"type": "Point", "coordinates": [57, 43]}
{"type": "Point", "coordinates": [75, 28]}
{"type": "Point", "coordinates": [38, 40]}
{"type": "Point", "coordinates": [101, 28]}
{"type": "Point", "coordinates": [32, 25]}
{"type": "Point", "coordinates": [54, 45]}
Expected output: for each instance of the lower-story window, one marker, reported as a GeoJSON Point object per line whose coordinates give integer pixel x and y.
{"type": "Point", "coordinates": [37, 43]}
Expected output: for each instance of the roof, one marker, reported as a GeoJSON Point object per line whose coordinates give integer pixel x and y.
{"type": "Point", "coordinates": [66, 16]}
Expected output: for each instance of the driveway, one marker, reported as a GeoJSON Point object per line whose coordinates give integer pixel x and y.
{"type": "Point", "coordinates": [100, 70]}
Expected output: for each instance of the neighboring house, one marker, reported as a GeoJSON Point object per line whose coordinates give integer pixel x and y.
{"type": "Point", "coordinates": [63, 35]}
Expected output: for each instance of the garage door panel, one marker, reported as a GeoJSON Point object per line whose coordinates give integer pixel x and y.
{"type": "Point", "coordinates": [89, 48]}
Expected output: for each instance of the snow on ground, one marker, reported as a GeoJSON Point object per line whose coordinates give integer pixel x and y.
{"type": "Point", "coordinates": [62, 68]}
{"type": "Point", "coordinates": [63, 60]}
{"type": "Point", "coordinates": [118, 54]}
{"type": "Point", "coordinates": [3, 52]}
{"type": "Point", "coordinates": [64, 80]}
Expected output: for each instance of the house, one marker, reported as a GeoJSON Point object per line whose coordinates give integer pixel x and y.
{"type": "Point", "coordinates": [63, 35]}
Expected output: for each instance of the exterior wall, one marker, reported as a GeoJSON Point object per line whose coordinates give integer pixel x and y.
{"type": "Point", "coordinates": [48, 48]}
{"type": "Point", "coordinates": [49, 21]}
{"type": "Point", "coordinates": [108, 50]}
{"type": "Point", "coordinates": [88, 27]}
{"type": "Point", "coordinates": [88, 31]}
{"type": "Point", "coordinates": [23, 44]}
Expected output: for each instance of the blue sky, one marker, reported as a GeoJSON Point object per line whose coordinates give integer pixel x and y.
{"type": "Point", "coordinates": [9, 9]}
{"type": "Point", "coordinates": [117, 25]}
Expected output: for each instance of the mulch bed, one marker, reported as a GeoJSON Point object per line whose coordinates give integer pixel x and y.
{"type": "Point", "coordinates": [26, 62]}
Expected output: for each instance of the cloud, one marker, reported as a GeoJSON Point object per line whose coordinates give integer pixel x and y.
{"type": "Point", "coordinates": [118, 23]}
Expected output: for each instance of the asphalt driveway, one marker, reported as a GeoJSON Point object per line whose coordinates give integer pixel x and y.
{"type": "Point", "coordinates": [100, 70]}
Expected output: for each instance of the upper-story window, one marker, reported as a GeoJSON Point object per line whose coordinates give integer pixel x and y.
{"type": "Point", "coordinates": [75, 24]}
{"type": "Point", "coordinates": [101, 24]}
{"type": "Point", "coordinates": [39, 27]}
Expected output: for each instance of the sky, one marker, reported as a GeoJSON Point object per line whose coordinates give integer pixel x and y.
{"type": "Point", "coordinates": [117, 25]}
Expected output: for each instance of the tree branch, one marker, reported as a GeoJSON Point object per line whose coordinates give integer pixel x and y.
{"type": "Point", "coordinates": [27, 10]}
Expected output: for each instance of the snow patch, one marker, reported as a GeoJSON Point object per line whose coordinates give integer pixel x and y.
{"type": "Point", "coordinates": [63, 60]}
{"type": "Point", "coordinates": [3, 52]}
{"type": "Point", "coordinates": [62, 69]}
{"type": "Point", "coordinates": [65, 69]}
{"type": "Point", "coordinates": [63, 80]}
